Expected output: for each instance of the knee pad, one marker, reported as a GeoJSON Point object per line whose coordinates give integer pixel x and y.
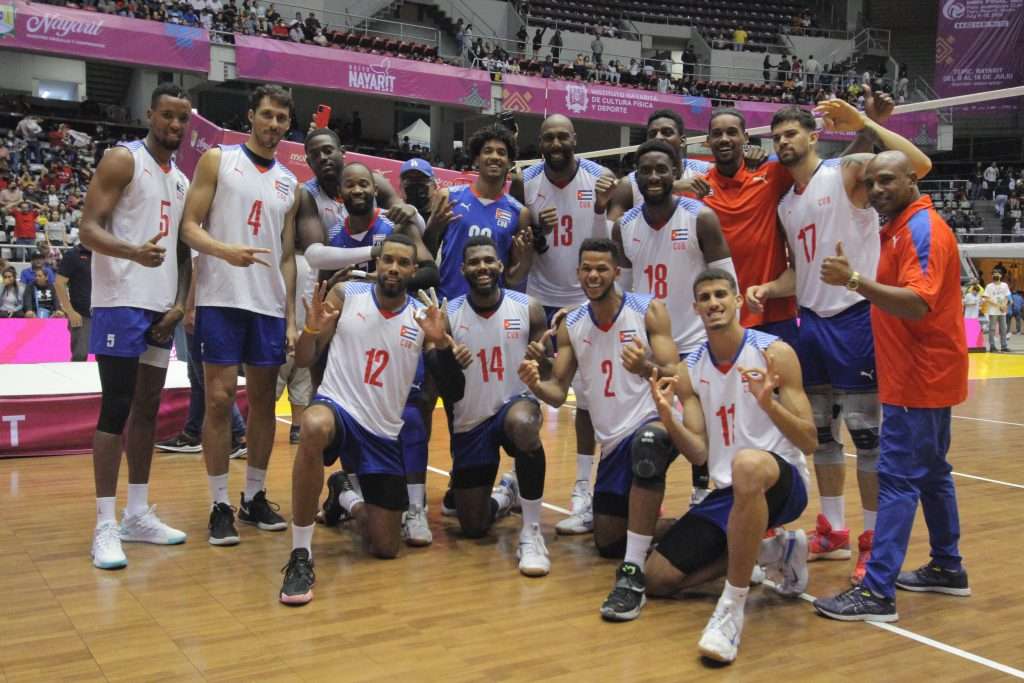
{"type": "Point", "coordinates": [862, 414]}
{"type": "Point", "coordinates": [117, 382]}
{"type": "Point", "coordinates": [825, 412]}
{"type": "Point", "coordinates": [652, 453]}
{"type": "Point", "coordinates": [114, 411]}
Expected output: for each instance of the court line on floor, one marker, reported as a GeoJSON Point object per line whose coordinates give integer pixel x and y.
{"type": "Point", "coordinates": [985, 419]}
{"type": "Point", "coordinates": [969, 476]}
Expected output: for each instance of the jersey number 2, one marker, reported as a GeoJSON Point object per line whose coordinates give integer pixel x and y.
{"type": "Point", "coordinates": [254, 216]}
{"type": "Point", "coordinates": [606, 369]}
{"type": "Point", "coordinates": [376, 361]}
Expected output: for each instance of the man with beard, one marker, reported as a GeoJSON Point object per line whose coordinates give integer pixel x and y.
{"type": "Point", "coordinates": [138, 296]}
{"type": "Point", "coordinates": [915, 305]}
{"type": "Point", "coordinates": [568, 197]}
{"type": "Point", "coordinates": [240, 217]}
{"type": "Point", "coordinates": [828, 204]}
{"type": "Point", "coordinates": [744, 413]}
{"type": "Point", "coordinates": [635, 448]}
{"type": "Point", "coordinates": [495, 329]}
{"type": "Point", "coordinates": [378, 333]}
{"type": "Point", "coordinates": [482, 208]}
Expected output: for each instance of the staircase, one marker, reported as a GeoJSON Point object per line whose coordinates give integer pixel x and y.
{"type": "Point", "coordinates": [107, 83]}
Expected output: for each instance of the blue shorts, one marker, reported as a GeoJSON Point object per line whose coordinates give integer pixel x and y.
{"type": "Point", "coordinates": [479, 446]}
{"type": "Point", "coordinates": [615, 469]}
{"type": "Point", "coordinates": [786, 330]}
{"type": "Point", "coordinates": [838, 351]}
{"type": "Point", "coordinates": [124, 331]}
{"type": "Point", "coordinates": [718, 504]}
{"type": "Point", "coordinates": [232, 336]}
{"type": "Point", "coordinates": [413, 438]}
{"type": "Point", "coordinates": [360, 450]}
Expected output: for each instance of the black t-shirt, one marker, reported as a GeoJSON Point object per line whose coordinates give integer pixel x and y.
{"type": "Point", "coordinates": [76, 266]}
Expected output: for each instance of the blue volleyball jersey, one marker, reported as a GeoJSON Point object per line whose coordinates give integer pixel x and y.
{"type": "Point", "coordinates": [496, 218]}
{"type": "Point", "coordinates": [380, 227]}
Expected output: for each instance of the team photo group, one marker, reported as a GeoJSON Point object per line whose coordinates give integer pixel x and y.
{"type": "Point", "coordinates": [728, 317]}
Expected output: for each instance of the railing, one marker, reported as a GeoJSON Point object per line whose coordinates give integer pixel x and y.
{"type": "Point", "coordinates": [459, 8]}
{"type": "Point", "coordinates": [362, 24]}
{"type": "Point", "coordinates": [929, 186]}
{"type": "Point", "coordinates": [869, 39]}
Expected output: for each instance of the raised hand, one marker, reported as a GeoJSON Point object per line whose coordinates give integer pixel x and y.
{"type": "Point", "coordinates": [756, 297]}
{"type": "Point", "coordinates": [836, 270]}
{"type": "Point", "coordinates": [442, 213]}
{"type": "Point", "coordinates": [548, 218]}
{"type": "Point", "coordinates": [432, 319]}
{"type": "Point", "coordinates": [603, 190]}
{"type": "Point", "coordinates": [529, 373]}
{"type": "Point", "coordinates": [662, 391]}
{"type": "Point", "coordinates": [538, 350]}
{"type": "Point", "coordinates": [878, 106]}
{"type": "Point", "coordinates": [754, 156]}
{"type": "Point", "coordinates": [522, 244]}
{"type": "Point", "coordinates": [558, 317]}
{"type": "Point", "coordinates": [149, 253]}
{"type": "Point", "coordinates": [242, 256]}
{"type": "Point", "coordinates": [634, 357]}
{"type": "Point", "coordinates": [840, 116]}
{"type": "Point", "coordinates": [401, 213]}
{"type": "Point", "coordinates": [319, 312]}
{"type": "Point", "coordinates": [463, 356]}
{"type": "Point", "coordinates": [762, 381]}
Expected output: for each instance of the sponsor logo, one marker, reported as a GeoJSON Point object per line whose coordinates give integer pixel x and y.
{"type": "Point", "coordinates": [953, 9]}
{"type": "Point", "coordinates": [512, 324]}
{"type": "Point", "coordinates": [503, 217]}
{"type": "Point", "coordinates": [576, 99]}
{"type": "Point", "coordinates": [870, 374]}
{"type": "Point", "coordinates": [626, 336]}
{"type": "Point", "coordinates": [372, 77]}
{"type": "Point", "coordinates": [61, 27]}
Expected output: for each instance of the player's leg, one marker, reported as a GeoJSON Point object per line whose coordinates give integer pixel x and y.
{"type": "Point", "coordinates": [475, 460]}
{"type": "Point", "coordinates": [651, 453]}
{"type": "Point", "coordinates": [385, 500]}
{"type": "Point", "coordinates": [521, 439]}
{"type": "Point", "coordinates": [862, 414]}
{"type": "Point", "coordinates": [188, 441]}
{"type": "Point", "coordinates": [318, 433]}
{"type": "Point", "coordinates": [415, 528]}
{"type": "Point", "coordinates": [581, 507]}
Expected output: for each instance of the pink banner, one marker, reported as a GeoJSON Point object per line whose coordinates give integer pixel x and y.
{"type": "Point", "coordinates": [607, 103]}
{"type": "Point", "coordinates": [91, 35]}
{"type": "Point", "coordinates": [264, 59]}
{"type": "Point", "coordinates": [30, 340]}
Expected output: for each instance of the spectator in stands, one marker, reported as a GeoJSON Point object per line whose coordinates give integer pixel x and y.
{"type": "Point", "coordinates": [39, 299]}
{"type": "Point", "coordinates": [538, 39]}
{"type": "Point", "coordinates": [38, 261]}
{"type": "Point", "coordinates": [521, 36]}
{"type": "Point", "coordinates": [74, 292]}
{"type": "Point", "coordinates": [29, 129]}
{"type": "Point", "coordinates": [312, 26]}
{"type": "Point", "coordinates": [689, 60]}
{"type": "Point", "coordinates": [24, 227]}
{"type": "Point", "coordinates": [12, 304]}
{"type": "Point", "coordinates": [783, 69]}
{"type": "Point", "coordinates": [812, 69]}
{"type": "Point", "coordinates": [997, 296]}
{"type": "Point", "coordinates": [280, 31]}
{"type": "Point", "coordinates": [556, 45]}
{"type": "Point", "coordinates": [597, 48]}
{"type": "Point", "coordinates": [611, 71]}
{"type": "Point", "coordinates": [11, 196]}
{"type": "Point", "coordinates": [1002, 192]}
{"type": "Point", "coordinates": [739, 38]}
{"type": "Point", "coordinates": [990, 176]}
{"type": "Point", "coordinates": [296, 32]}
{"type": "Point", "coordinates": [548, 70]}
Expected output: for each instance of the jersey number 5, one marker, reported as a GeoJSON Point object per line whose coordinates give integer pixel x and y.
{"type": "Point", "coordinates": [254, 216]}
{"type": "Point", "coordinates": [165, 218]}
{"type": "Point", "coordinates": [376, 361]}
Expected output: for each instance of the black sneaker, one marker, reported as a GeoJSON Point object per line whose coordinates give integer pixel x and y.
{"type": "Point", "coordinates": [332, 512]}
{"type": "Point", "coordinates": [932, 579]}
{"type": "Point", "coordinates": [293, 434]}
{"type": "Point", "coordinates": [182, 443]}
{"type": "Point", "coordinates": [297, 588]}
{"type": "Point", "coordinates": [239, 449]}
{"type": "Point", "coordinates": [448, 504]}
{"type": "Point", "coordinates": [222, 525]}
{"type": "Point", "coordinates": [857, 604]}
{"type": "Point", "coordinates": [627, 598]}
{"type": "Point", "coordinates": [262, 513]}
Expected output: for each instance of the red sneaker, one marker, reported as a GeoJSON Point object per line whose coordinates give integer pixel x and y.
{"type": "Point", "coordinates": [826, 543]}
{"type": "Point", "coordinates": [864, 542]}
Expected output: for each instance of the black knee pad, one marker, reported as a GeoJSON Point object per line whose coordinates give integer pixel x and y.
{"type": "Point", "coordinates": [385, 491]}
{"type": "Point", "coordinates": [474, 477]}
{"type": "Point", "coordinates": [612, 551]}
{"type": "Point", "coordinates": [652, 452]}
{"type": "Point", "coordinates": [117, 382]}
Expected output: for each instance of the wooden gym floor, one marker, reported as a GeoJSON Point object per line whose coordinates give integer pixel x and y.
{"type": "Point", "coordinates": [459, 610]}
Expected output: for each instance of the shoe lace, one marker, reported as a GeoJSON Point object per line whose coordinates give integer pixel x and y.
{"type": "Point", "coordinates": [107, 534]}
{"type": "Point", "coordinates": [149, 520]}
{"type": "Point", "coordinates": [262, 500]}
{"type": "Point", "coordinates": [721, 620]}
{"type": "Point", "coordinates": [298, 565]}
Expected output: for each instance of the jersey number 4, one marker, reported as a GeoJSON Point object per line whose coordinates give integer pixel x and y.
{"type": "Point", "coordinates": [376, 361]}
{"type": "Point", "coordinates": [254, 216]}
{"type": "Point", "coordinates": [495, 367]}
{"type": "Point", "coordinates": [808, 236]}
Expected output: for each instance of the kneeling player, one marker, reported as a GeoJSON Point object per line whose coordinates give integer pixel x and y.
{"type": "Point", "coordinates": [745, 414]}
{"type": "Point", "coordinates": [494, 329]}
{"type": "Point", "coordinates": [377, 332]}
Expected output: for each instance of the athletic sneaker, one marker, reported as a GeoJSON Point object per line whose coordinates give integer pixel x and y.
{"type": "Point", "coordinates": [720, 640]}
{"type": "Point", "coordinates": [932, 579]}
{"type": "Point", "coordinates": [509, 488]}
{"type": "Point", "coordinates": [261, 512]}
{"type": "Point", "coordinates": [757, 575]}
{"type": "Point", "coordinates": [857, 604]}
{"type": "Point", "coordinates": [147, 528]}
{"type": "Point", "coordinates": [448, 504]}
{"type": "Point", "coordinates": [222, 525]}
{"type": "Point", "coordinates": [293, 434]}
{"type": "Point", "coordinates": [297, 588]}
{"type": "Point", "coordinates": [106, 547]}
{"type": "Point", "coordinates": [627, 598]}
{"type": "Point", "coordinates": [864, 542]}
{"type": "Point", "coordinates": [415, 529]}
{"type": "Point", "coordinates": [332, 513]}
{"type": "Point", "coordinates": [793, 564]}
{"type": "Point", "coordinates": [239, 449]}
{"type": "Point", "coordinates": [697, 496]}
{"type": "Point", "coordinates": [581, 521]}
{"type": "Point", "coordinates": [182, 443]}
{"type": "Point", "coordinates": [826, 543]}
{"type": "Point", "coordinates": [533, 553]}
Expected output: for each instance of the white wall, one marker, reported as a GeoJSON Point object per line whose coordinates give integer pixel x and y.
{"type": "Point", "coordinates": [729, 65]}
{"type": "Point", "coordinates": [825, 50]}
{"type": "Point", "coordinates": [21, 70]}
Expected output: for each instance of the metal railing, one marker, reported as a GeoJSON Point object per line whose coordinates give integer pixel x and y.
{"type": "Point", "coordinates": [872, 39]}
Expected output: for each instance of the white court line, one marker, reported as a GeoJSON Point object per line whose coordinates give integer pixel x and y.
{"type": "Point", "coordinates": [930, 642]}
{"type": "Point", "coordinates": [982, 419]}
{"type": "Point", "coordinates": [924, 640]}
{"type": "Point", "coordinates": [970, 476]}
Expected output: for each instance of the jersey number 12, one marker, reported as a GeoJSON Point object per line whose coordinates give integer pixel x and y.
{"type": "Point", "coordinates": [376, 361]}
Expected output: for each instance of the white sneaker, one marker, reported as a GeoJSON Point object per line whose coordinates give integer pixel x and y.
{"type": "Point", "coordinates": [721, 638]}
{"type": "Point", "coordinates": [581, 521]}
{"type": "Point", "coordinates": [698, 495]}
{"type": "Point", "coordinates": [415, 529]}
{"type": "Point", "coordinates": [757, 576]}
{"type": "Point", "coordinates": [793, 564]}
{"type": "Point", "coordinates": [106, 547]}
{"type": "Point", "coordinates": [147, 528]}
{"type": "Point", "coordinates": [508, 488]}
{"type": "Point", "coordinates": [533, 553]}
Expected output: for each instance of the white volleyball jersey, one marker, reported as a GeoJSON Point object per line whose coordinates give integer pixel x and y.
{"type": "Point", "coordinates": [372, 360]}
{"type": "Point", "coordinates": [815, 220]}
{"type": "Point", "coordinates": [498, 342]}
{"type": "Point", "coordinates": [553, 280]}
{"type": "Point", "coordinates": [732, 418]}
{"type": "Point", "coordinates": [666, 261]}
{"type": "Point", "coordinates": [151, 203]}
{"type": "Point", "coordinates": [691, 168]}
{"type": "Point", "coordinates": [331, 210]}
{"type": "Point", "coordinates": [619, 401]}
{"type": "Point", "coordinates": [248, 208]}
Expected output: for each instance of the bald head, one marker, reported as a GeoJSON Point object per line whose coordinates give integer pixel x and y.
{"type": "Point", "coordinates": [356, 169]}
{"type": "Point", "coordinates": [557, 121]}
{"type": "Point", "coordinates": [357, 189]}
{"type": "Point", "coordinates": [891, 183]}
{"type": "Point", "coordinates": [558, 144]}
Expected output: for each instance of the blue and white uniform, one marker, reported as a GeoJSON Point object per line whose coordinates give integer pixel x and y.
{"type": "Point", "coordinates": [380, 228]}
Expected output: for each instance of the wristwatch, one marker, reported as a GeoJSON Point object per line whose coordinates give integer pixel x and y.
{"type": "Point", "coordinates": [853, 284]}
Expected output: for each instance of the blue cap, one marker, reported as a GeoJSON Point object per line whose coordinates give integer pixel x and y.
{"type": "Point", "coordinates": [416, 164]}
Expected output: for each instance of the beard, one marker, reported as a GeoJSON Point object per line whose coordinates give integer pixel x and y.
{"type": "Point", "coordinates": [602, 295]}
{"type": "Point", "coordinates": [358, 209]}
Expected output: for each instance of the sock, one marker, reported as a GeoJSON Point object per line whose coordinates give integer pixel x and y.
{"type": "Point", "coordinates": [302, 537]}
{"type": "Point", "coordinates": [349, 499]}
{"type": "Point", "coordinates": [106, 510]}
{"type": "Point", "coordinates": [255, 481]}
{"type": "Point", "coordinates": [584, 464]}
{"type": "Point", "coordinates": [531, 512]}
{"type": "Point", "coordinates": [417, 494]}
{"type": "Point", "coordinates": [834, 509]}
{"type": "Point", "coordinates": [736, 597]}
{"type": "Point", "coordinates": [637, 546]}
{"type": "Point", "coordinates": [138, 499]}
{"type": "Point", "coordinates": [501, 498]}
{"type": "Point", "coordinates": [219, 488]}
{"type": "Point", "coordinates": [869, 519]}
{"type": "Point", "coordinates": [354, 479]}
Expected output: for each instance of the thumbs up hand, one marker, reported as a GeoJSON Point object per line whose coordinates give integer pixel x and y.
{"type": "Point", "coordinates": [836, 270]}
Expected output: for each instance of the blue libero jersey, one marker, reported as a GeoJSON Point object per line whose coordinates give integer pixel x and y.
{"type": "Point", "coordinates": [380, 227]}
{"type": "Point", "coordinates": [496, 218]}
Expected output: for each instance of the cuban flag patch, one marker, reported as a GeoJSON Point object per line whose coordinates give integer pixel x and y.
{"type": "Point", "coordinates": [584, 195]}
{"type": "Point", "coordinates": [626, 336]}
{"type": "Point", "coordinates": [513, 324]}
{"type": "Point", "coordinates": [503, 217]}
{"type": "Point", "coordinates": [409, 333]}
